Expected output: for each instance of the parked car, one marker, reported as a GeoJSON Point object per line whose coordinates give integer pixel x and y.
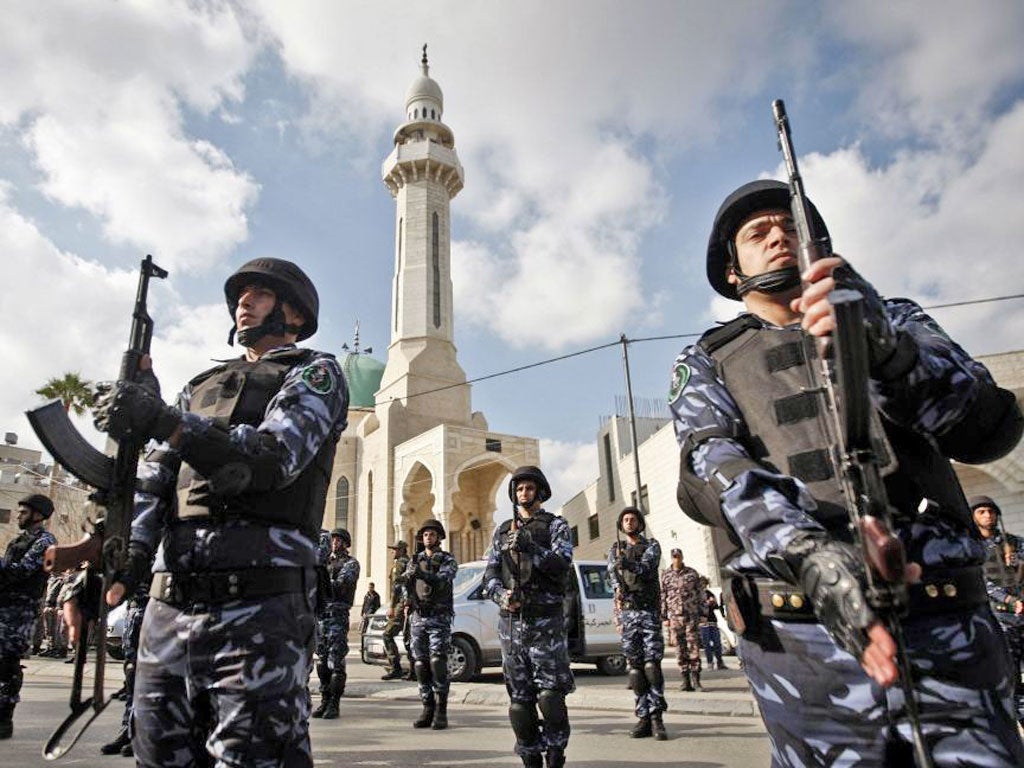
{"type": "Point", "coordinates": [593, 638]}
{"type": "Point", "coordinates": [115, 631]}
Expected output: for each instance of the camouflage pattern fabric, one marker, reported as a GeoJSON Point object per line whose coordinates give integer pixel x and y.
{"type": "Point", "coordinates": [682, 606]}
{"type": "Point", "coordinates": [643, 641]}
{"type": "Point", "coordinates": [247, 662]}
{"type": "Point", "coordinates": [431, 637]}
{"type": "Point", "coordinates": [817, 703]}
{"type": "Point", "coordinates": [130, 644]}
{"type": "Point", "coordinates": [332, 638]}
{"type": "Point", "coordinates": [1002, 600]}
{"type": "Point", "coordinates": [396, 605]}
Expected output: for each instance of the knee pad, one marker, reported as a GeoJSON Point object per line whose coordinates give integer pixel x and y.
{"type": "Point", "coordinates": [638, 681]}
{"type": "Point", "coordinates": [652, 672]}
{"type": "Point", "coordinates": [422, 670]}
{"type": "Point", "coordinates": [525, 723]}
{"type": "Point", "coordinates": [552, 707]}
{"type": "Point", "coordinates": [439, 668]}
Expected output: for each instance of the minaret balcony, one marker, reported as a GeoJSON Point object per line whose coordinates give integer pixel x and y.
{"type": "Point", "coordinates": [423, 161]}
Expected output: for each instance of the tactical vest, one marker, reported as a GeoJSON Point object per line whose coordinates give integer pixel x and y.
{"type": "Point", "coordinates": [641, 593]}
{"type": "Point", "coordinates": [35, 585]}
{"type": "Point", "coordinates": [768, 374]}
{"type": "Point", "coordinates": [238, 392]}
{"type": "Point", "coordinates": [428, 598]}
{"type": "Point", "coordinates": [341, 593]}
{"type": "Point", "coordinates": [518, 572]}
{"type": "Point", "coordinates": [996, 569]}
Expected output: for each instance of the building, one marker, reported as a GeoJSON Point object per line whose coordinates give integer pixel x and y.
{"type": "Point", "coordinates": [414, 449]}
{"type": "Point", "coordinates": [592, 512]}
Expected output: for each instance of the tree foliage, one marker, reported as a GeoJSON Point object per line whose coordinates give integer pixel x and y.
{"type": "Point", "coordinates": [71, 389]}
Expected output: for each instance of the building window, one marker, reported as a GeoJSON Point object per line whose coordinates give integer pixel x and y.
{"type": "Point", "coordinates": [595, 527]}
{"type": "Point", "coordinates": [609, 474]}
{"type": "Point", "coordinates": [436, 262]}
{"type": "Point", "coordinates": [574, 535]}
{"type": "Point", "coordinates": [492, 444]}
{"type": "Point", "coordinates": [341, 504]}
{"type": "Point", "coordinates": [369, 523]}
{"type": "Point", "coordinates": [643, 499]}
{"type": "Point", "coordinates": [5, 515]}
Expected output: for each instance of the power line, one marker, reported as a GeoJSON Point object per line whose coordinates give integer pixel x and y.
{"type": "Point", "coordinates": [668, 337]}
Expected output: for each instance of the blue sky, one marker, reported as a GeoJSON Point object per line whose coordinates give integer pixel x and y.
{"type": "Point", "coordinates": [598, 138]}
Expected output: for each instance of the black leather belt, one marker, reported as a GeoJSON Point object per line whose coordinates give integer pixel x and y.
{"type": "Point", "coordinates": [541, 611]}
{"type": "Point", "coordinates": [179, 589]}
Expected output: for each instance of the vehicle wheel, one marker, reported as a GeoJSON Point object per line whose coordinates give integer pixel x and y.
{"type": "Point", "coordinates": [612, 665]}
{"type": "Point", "coordinates": [462, 661]}
{"type": "Point", "coordinates": [115, 652]}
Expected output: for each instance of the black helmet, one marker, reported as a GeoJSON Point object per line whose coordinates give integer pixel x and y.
{"type": "Point", "coordinates": [432, 525]}
{"type": "Point", "coordinates": [345, 536]}
{"type": "Point", "coordinates": [755, 196]}
{"type": "Point", "coordinates": [984, 501]}
{"type": "Point", "coordinates": [289, 282]}
{"type": "Point", "coordinates": [631, 511]}
{"type": "Point", "coordinates": [37, 502]}
{"type": "Point", "coordinates": [530, 473]}
{"type": "Point", "coordinates": [399, 546]}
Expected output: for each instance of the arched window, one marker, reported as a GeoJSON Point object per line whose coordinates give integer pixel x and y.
{"type": "Point", "coordinates": [432, 114]}
{"type": "Point", "coordinates": [341, 504]}
{"type": "Point", "coordinates": [436, 264]}
{"type": "Point", "coordinates": [416, 114]}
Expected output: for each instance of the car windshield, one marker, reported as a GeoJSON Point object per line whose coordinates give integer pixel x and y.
{"type": "Point", "coordinates": [467, 576]}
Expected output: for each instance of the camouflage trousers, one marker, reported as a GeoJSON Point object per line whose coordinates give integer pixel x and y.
{"type": "Point", "coordinates": [332, 637]}
{"type": "Point", "coordinates": [17, 620]}
{"type": "Point", "coordinates": [391, 630]}
{"type": "Point", "coordinates": [226, 680]}
{"type": "Point", "coordinates": [643, 642]}
{"type": "Point", "coordinates": [130, 643]}
{"type": "Point", "coordinates": [431, 638]}
{"type": "Point", "coordinates": [1013, 631]}
{"type": "Point", "coordinates": [535, 658]}
{"type": "Point", "coordinates": [687, 634]}
{"type": "Point", "coordinates": [821, 709]}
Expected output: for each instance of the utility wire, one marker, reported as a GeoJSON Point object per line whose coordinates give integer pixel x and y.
{"type": "Point", "coordinates": [616, 343]}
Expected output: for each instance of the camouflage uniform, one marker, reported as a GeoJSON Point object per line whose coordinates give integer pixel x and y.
{"type": "Point", "coordinates": [682, 606]}
{"type": "Point", "coordinates": [534, 644]}
{"type": "Point", "coordinates": [819, 706]}
{"type": "Point", "coordinates": [643, 643]}
{"type": "Point", "coordinates": [396, 612]}
{"type": "Point", "coordinates": [56, 637]}
{"type": "Point", "coordinates": [1003, 597]}
{"type": "Point", "coordinates": [208, 651]}
{"type": "Point", "coordinates": [22, 582]}
{"type": "Point", "coordinates": [332, 640]}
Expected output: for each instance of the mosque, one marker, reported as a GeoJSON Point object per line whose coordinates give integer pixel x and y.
{"type": "Point", "coordinates": [414, 449]}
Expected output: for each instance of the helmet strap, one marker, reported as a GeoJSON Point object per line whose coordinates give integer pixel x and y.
{"type": "Point", "coordinates": [273, 325]}
{"type": "Point", "coordinates": [774, 281]}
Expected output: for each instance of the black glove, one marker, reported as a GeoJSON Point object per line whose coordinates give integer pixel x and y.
{"type": "Point", "coordinates": [833, 577]}
{"type": "Point", "coordinates": [137, 571]}
{"type": "Point", "coordinates": [520, 540]}
{"type": "Point", "coordinates": [126, 410]}
{"type": "Point", "coordinates": [891, 354]}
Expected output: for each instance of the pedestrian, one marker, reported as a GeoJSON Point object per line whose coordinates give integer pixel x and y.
{"type": "Point", "coordinates": [53, 624]}
{"type": "Point", "coordinates": [682, 605]}
{"type": "Point", "coordinates": [1004, 567]}
{"type": "Point", "coordinates": [710, 634]}
{"type": "Point", "coordinates": [428, 583]}
{"type": "Point", "coordinates": [22, 583]}
{"type": "Point", "coordinates": [633, 570]}
{"type": "Point", "coordinates": [756, 462]}
{"type": "Point", "coordinates": [396, 611]}
{"type": "Point", "coordinates": [230, 498]}
{"type": "Point", "coordinates": [371, 604]}
{"type": "Point", "coordinates": [342, 571]}
{"type": "Point", "coordinates": [526, 575]}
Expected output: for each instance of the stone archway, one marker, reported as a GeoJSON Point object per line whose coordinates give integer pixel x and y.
{"type": "Point", "coordinates": [471, 516]}
{"type": "Point", "coordinates": [418, 501]}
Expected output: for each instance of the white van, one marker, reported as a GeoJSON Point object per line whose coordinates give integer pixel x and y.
{"type": "Point", "coordinates": [592, 635]}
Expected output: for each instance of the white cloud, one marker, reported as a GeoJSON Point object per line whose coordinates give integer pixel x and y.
{"type": "Point", "coordinates": [569, 467]}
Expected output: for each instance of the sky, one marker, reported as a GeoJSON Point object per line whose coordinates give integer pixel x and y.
{"type": "Point", "coordinates": [598, 138]}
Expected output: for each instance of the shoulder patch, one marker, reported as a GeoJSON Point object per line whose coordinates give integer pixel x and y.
{"type": "Point", "coordinates": [680, 376]}
{"type": "Point", "coordinates": [319, 378]}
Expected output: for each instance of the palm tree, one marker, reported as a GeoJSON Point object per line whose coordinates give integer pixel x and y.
{"type": "Point", "coordinates": [72, 390]}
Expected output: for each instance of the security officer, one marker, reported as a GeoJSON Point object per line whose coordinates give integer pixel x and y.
{"type": "Point", "coordinates": [428, 584]}
{"type": "Point", "coordinates": [682, 605]}
{"type": "Point", "coordinates": [756, 463]}
{"type": "Point", "coordinates": [396, 610]}
{"type": "Point", "coordinates": [1004, 566]}
{"type": "Point", "coordinates": [633, 569]}
{"type": "Point", "coordinates": [342, 571]}
{"type": "Point", "coordinates": [22, 582]}
{"type": "Point", "coordinates": [526, 575]}
{"type": "Point", "coordinates": [231, 499]}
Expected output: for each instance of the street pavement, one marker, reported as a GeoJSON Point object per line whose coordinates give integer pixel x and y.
{"type": "Point", "coordinates": [714, 728]}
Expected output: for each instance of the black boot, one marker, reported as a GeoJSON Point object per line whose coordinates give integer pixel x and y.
{"type": "Point", "coordinates": [333, 695]}
{"type": "Point", "coordinates": [127, 750]}
{"type": "Point", "coordinates": [658, 727]}
{"type": "Point", "coordinates": [426, 718]}
{"type": "Point", "coordinates": [394, 673]}
{"type": "Point", "coordinates": [6, 721]}
{"type": "Point", "coordinates": [114, 747]}
{"type": "Point", "coordinates": [642, 729]}
{"type": "Point", "coordinates": [687, 682]}
{"type": "Point", "coordinates": [533, 761]}
{"type": "Point", "coordinates": [555, 759]}
{"type": "Point", "coordinates": [696, 680]}
{"type": "Point", "coordinates": [325, 686]}
{"type": "Point", "coordinates": [441, 714]}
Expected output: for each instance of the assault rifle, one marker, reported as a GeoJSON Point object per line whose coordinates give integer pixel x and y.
{"type": "Point", "coordinates": [106, 549]}
{"type": "Point", "coordinates": [853, 454]}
